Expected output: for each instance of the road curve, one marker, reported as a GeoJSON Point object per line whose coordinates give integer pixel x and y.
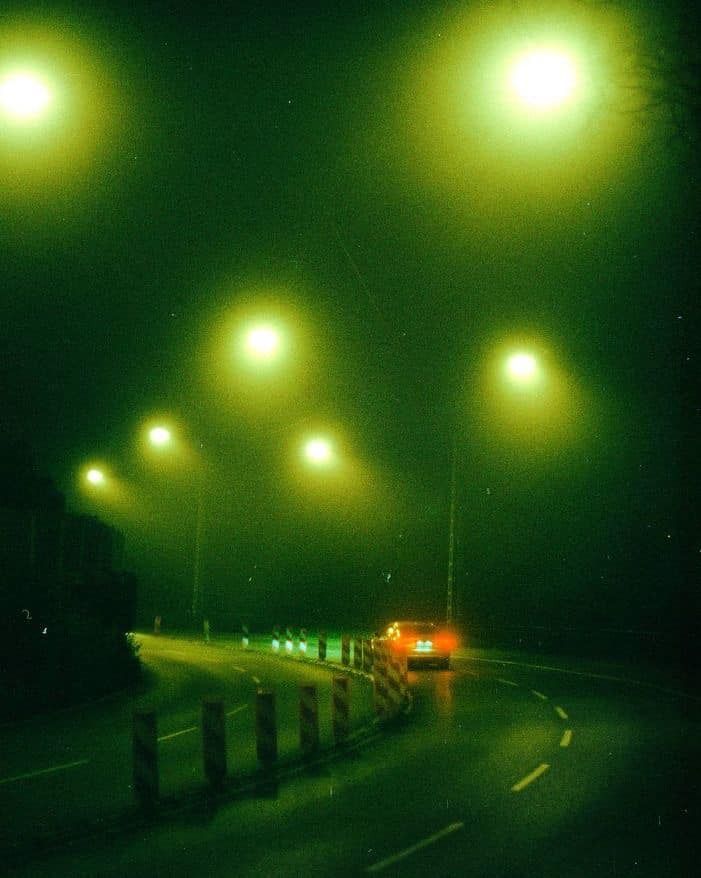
{"type": "Point", "coordinates": [506, 768]}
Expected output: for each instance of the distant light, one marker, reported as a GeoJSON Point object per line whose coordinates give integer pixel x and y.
{"type": "Point", "coordinates": [159, 436]}
{"type": "Point", "coordinates": [24, 96]}
{"type": "Point", "coordinates": [544, 79]}
{"type": "Point", "coordinates": [522, 367]}
{"type": "Point", "coordinates": [318, 451]}
{"type": "Point", "coordinates": [95, 477]}
{"type": "Point", "coordinates": [263, 342]}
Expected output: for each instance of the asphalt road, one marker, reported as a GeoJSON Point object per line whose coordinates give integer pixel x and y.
{"type": "Point", "coordinates": [508, 766]}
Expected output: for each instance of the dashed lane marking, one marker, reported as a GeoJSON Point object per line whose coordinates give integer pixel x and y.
{"type": "Point", "coordinates": [539, 695]}
{"type": "Point", "coordinates": [30, 774]}
{"type": "Point", "coordinates": [561, 713]}
{"type": "Point", "coordinates": [506, 682]}
{"type": "Point", "coordinates": [566, 739]}
{"type": "Point", "coordinates": [177, 734]}
{"type": "Point", "coordinates": [236, 710]}
{"type": "Point", "coordinates": [529, 778]}
{"type": "Point", "coordinates": [420, 845]}
{"type": "Point", "coordinates": [256, 680]}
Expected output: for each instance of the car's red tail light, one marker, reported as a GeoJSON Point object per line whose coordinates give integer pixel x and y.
{"type": "Point", "coordinates": [447, 641]}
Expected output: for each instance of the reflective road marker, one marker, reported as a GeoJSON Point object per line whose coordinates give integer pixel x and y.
{"type": "Point", "coordinates": [29, 774]}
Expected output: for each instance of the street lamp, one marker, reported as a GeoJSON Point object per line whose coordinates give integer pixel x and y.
{"type": "Point", "coordinates": [319, 451]}
{"type": "Point", "coordinates": [263, 342]}
{"type": "Point", "coordinates": [543, 79]}
{"type": "Point", "coordinates": [161, 438]}
{"type": "Point", "coordinates": [95, 477]}
{"type": "Point", "coordinates": [24, 96]}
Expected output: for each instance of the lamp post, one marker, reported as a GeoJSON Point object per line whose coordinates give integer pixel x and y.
{"type": "Point", "coordinates": [161, 439]}
{"type": "Point", "coordinates": [523, 372]}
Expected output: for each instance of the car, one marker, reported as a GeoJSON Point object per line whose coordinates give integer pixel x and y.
{"type": "Point", "coordinates": [423, 643]}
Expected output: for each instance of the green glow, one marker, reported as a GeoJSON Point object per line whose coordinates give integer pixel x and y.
{"type": "Point", "coordinates": [23, 96]}
{"type": "Point", "coordinates": [544, 79]}
{"type": "Point", "coordinates": [95, 477]}
{"type": "Point", "coordinates": [159, 436]}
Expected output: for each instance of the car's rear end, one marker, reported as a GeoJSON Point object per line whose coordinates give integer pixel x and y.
{"type": "Point", "coordinates": [423, 643]}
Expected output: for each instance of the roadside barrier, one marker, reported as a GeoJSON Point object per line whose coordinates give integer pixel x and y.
{"type": "Point", "coordinates": [145, 758]}
{"type": "Point", "coordinates": [266, 728]}
{"type": "Point", "coordinates": [367, 656]}
{"type": "Point", "coordinates": [214, 741]}
{"type": "Point", "coordinates": [393, 683]}
{"type": "Point", "coordinates": [345, 650]}
{"type": "Point", "coordinates": [381, 696]}
{"type": "Point", "coordinates": [322, 646]}
{"type": "Point", "coordinates": [357, 653]}
{"type": "Point", "coordinates": [340, 708]}
{"type": "Point", "coordinates": [308, 719]}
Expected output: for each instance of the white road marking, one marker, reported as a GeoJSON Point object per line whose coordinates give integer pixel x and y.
{"type": "Point", "coordinates": [177, 734]}
{"type": "Point", "coordinates": [561, 713]}
{"type": "Point", "coordinates": [237, 668]}
{"type": "Point", "coordinates": [420, 845]}
{"type": "Point", "coordinates": [29, 774]}
{"type": "Point", "coordinates": [591, 676]}
{"type": "Point", "coordinates": [529, 778]}
{"type": "Point", "coordinates": [506, 682]}
{"type": "Point", "coordinates": [566, 738]}
{"type": "Point", "coordinates": [236, 710]}
{"type": "Point", "coordinates": [256, 680]}
{"type": "Point", "coordinates": [539, 695]}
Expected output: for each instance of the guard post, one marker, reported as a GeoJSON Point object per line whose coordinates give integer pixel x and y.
{"type": "Point", "coordinates": [289, 643]}
{"type": "Point", "coordinates": [367, 656]}
{"type": "Point", "coordinates": [303, 641]}
{"type": "Point", "coordinates": [214, 741]}
{"type": "Point", "coordinates": [345, 650]}
{"type": "Point", "coordinates": [308, 720]}
{"type": "Point", "coordinates": [340, 704]}
{"type": "Point", "coordinates": [266, 729]}
{"type": "Point", "coordinates": [245, 637]}
{"type": "Point", "coordinates": [357, 653]}
{"type": "Point", "coordinates": [322, 646]}
{"type": "Point", "coordinates": [276, 639]}
{"type": "Point", "coordinates": [145, 758]}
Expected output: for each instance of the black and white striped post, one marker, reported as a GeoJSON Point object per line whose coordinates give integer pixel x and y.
{"type": "Point", "coordinates": [394, 684]}
{"type": "Point", "coordinates": [214, 741]}
{"type": "Point", "coordinates": [275, 642]}
{"type": "Point", "coordinates": [266, 729]}
{"type": "Point", "coordinates": [308, 719]}
{"type": "Point", "coordinates": [303, 641]}
{"type": "Point", "coordinates": [367, 656]}
{"type": "Point", "coordinates": [245, 637]}
{"type": "Point", "coordinates": [340, 707]}
{"type": "Point", "coordinates": [379, 678]}
{"type": "Point", "coordinates": [357, 653]}
{"type": "Point", "coordinates": [345, 650]}
{"type": "Point", "coordinates": [322, 646]}
{"type": "Point", "coordinates": [289, 642]}
{"type": "Point", "coordinates": [145, 758]}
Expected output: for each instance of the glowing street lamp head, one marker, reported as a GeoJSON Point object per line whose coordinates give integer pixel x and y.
{"type": "Point", "coordinates": [318, 451]}
{"type": "Point", "coordinates": [159, 436]}
{"type": "Point", "coordinates": [263, 342]}
{"type": "Point", "coordinates": [522, 368]}
{"type": "Point", "coordinates": [543, 79]}
{"type": "Point", "coordinates": [95, 477]}
{"type": "Point", "coordinates": [23, 96]}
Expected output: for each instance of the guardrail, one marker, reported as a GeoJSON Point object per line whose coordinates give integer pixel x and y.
{"type": "Point", "coordinates": [371, 661]}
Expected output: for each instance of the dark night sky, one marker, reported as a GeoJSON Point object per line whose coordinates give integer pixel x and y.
{"type": "Point", "coordinates": [345, 161]}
